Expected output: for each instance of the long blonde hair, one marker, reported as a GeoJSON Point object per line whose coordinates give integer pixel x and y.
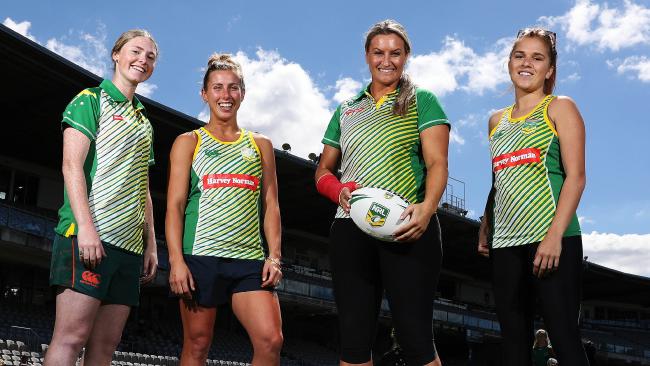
{"type": "Point", "coordinates": [407, 88]}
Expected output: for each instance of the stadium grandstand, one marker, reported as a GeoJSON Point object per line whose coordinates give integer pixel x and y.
{"type": "Point", "coordinates": [38, 85]}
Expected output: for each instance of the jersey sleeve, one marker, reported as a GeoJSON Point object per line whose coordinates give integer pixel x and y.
{"type": "Point", "coordinates": [333, 133]}
{"type": "Point", "coordinates": [430, 112]}
{"type": "Point", "coordinates": [82, 113]}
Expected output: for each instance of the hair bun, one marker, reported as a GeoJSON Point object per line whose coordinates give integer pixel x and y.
{"type": "Point", "coordinates": [220, 58]}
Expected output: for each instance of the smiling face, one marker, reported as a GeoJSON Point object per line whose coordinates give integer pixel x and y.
{"type": "Point", "coordinates": [530, 64]}
{"type": "Point", "coordinates": [386, 56]}
{"type": "Point", "coordinates": [135, 61]}
{"type": "Point", "coordinates": [223, 94]}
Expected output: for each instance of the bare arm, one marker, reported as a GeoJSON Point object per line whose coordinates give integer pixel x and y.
{"type": "Point", "coordinates": [75, 150]}
{"type": "Point", "coordinates": [271, 273]}
{"type": "Point", "coordinates": [570, 127]}
{"type": "Point", "coordinates": [149, 236]}
{"type": "Point", "coordinates": [485, 229]}
{"type": "Point", "coordinates": [180, 163]}
{"type": "Point", "coordinates": [435, 146]}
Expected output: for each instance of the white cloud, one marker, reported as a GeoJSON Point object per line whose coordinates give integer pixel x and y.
{"type": "Point", "coordinates": [21, 28]}
{"type": "Point", "coordinates": [86, 50]}
{"type": "Point", "coordinates": [89, 52]}
{"type": "Point", "coordinates": [588, 23]}
{"type": "Point", "coordinates": [346, 88]}
{"type": "Point", "coordinates": [146, 89]}
{"type": "Point", "coordinates": [457, 66]}
{"type": "Point", "coordinates": [231, 23]}
{"type": "Point", "coordinates": [282, 102]}
{"type": "Point", "coordinates": [627, 253]}
{"type": "Point", "coordinates": [585, 220]}
{"type": "Point", "coordinates": [634, 64]}
{"type": "Point", "coordinates": [574, 77]}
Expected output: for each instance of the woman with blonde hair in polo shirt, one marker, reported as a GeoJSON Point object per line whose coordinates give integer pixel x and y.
{"type": "Point", "coordinates": [222, 183]}
{"type": "Point", "coordinates": [530, 228]}
{"type": "Point", "coordinates": [105, 228]}
{"type": "Point", "coordinates": [408, 132]}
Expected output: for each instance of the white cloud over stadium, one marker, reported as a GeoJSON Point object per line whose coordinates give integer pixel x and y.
{"type": "Point", "coordinates": [627, 253]}
{"type": "Point", "coordinates": [84, 49]}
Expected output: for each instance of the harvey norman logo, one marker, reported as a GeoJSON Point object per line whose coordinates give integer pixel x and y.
{"type": "Point", "coordinates": [230, 180]}
{"type": "Point", "coordinates": [519, 157]}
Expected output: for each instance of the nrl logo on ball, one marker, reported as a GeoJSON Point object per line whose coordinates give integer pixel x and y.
{"type": "Point", "coordinates": [377, 215]}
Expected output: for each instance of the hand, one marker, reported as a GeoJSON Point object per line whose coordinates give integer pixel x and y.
{"type": "Point", "coordinates": [150, 263]}
{"type": "Point", "coordinates": [547, 257]}
{"type": "Point", "coordinates": [412, 230]}
{"type": "Point", "coordinates": [346, 194]}
{"type": "Point", "coordinates": [483, 248]}
{"type": "Point", "coordinates": [271, 273]}
{"type": "Point", "coordinates": [91, 250]}
{"type": "Point", "coordinates": [344, 199]}
{"type": "Point", "coordinates": [181, 281]}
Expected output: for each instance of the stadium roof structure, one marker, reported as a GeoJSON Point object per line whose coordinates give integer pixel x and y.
{"type": "Point", "coordinates": [38, 83]}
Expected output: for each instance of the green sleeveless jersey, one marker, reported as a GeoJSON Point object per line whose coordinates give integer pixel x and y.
{"type": "Point", "coordinates": [380, 149]}
{"type": "Point", "coordinates": [116, 166]}
{"type": "Point", "coordinates": [528, 177]}
{"type": "Point", "coordinates": [222, 217]}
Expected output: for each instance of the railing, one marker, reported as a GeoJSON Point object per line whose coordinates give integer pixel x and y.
{"type": "Point", "coordinates": [27, 222]}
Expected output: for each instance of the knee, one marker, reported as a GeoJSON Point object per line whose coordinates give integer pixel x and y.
{"type": "Point", "coordinates": [104, 345]}
{"type": "Point", "coordinates": [198, 345]}
{"type": "Point", "coordinates": [269, 343]}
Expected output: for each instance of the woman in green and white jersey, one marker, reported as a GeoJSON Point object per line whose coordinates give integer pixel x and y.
{"type": "Point", "coordinates": [105, 231]}
{"type": "Point", "coordinates": [391, 135]}
{"type": "Point", "coordinates": [222, 181]}
{"type": "Point", "coordinates": [530, 229]}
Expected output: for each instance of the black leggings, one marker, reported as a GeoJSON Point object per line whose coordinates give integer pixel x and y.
{"type": "Point", "coordinates": [362, 267]}
{"type": "Point", "coordinates": [559, 293]}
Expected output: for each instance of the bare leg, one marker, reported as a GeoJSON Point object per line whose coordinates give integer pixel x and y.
{"type": "Point", "coordinates": [259, 313]}
{"type": "Point", "coordinates": [106, 334]}
{"type": "Point", "coordinates": [75, 317]}
{"type": "Point", "coordinates": [198, 328]}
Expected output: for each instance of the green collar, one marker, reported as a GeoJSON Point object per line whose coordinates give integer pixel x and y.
{"type": "Point", "coordinates": [365, 92]}
{"type": "Point", "coordinates": [117, 95]}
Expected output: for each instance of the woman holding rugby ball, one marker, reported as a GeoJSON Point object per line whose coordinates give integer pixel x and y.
{"type": "Point", "coordinates": [394, 136]}
{"type": "Point", "coordinates": [222, 180]}
{"type": "Point", "coordinates": [530, 229]}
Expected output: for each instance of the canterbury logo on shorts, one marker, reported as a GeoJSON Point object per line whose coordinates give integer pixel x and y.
{"type": "Point", "coordinates": [91, 279]}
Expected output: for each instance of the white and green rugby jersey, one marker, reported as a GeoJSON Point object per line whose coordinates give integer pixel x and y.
{"type": "Point", "coordinates": [380, 149]}
{"type": "Point", "coordinates": [222, 216]}
{"type": "Point", "coordinates": [116, 167]}
{"type": "Point", "coordinates": [528, 177]}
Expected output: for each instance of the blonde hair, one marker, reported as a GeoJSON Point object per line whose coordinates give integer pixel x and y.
{"type": "Point", "coordinates": [406, 93]}
{"type": "Point", "coordinates": [223, 61]}
{"type": "Point", "coordinates": [550, 39]}
{"type": "Point", "coordinates": [129, 35]}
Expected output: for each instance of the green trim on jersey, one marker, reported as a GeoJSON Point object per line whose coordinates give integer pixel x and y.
{"type": "Point", "coordinates": [381, 149]}
{"type": "Point", "coordinates": [528, 177]}
{"type": "Point", "coordinates": [222, 217]}
{"type": "Point", "coordinates": [116, 166]}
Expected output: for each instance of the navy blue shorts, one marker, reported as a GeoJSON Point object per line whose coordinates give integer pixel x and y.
{"type": "Point", "coordinates": [216, 278]}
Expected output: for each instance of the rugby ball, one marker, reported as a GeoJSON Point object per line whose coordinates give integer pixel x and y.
{"type": "Point", "coordinates": [376, 212]}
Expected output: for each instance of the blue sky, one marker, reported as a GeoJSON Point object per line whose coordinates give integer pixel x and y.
{"type": "Point", "coordinates": [301, 58]}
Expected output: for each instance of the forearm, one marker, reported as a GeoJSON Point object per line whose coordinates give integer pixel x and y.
{"type": "Point", "coordinates": [567, 204]}
{"type": "Point", "coordinates": [484, 229]}
{"type": "Point", "coordinates": [436, 182]}
{"type": "Point", "coordinates": [174, 232]}
{"type": "Point", "coordinates": [75, 184]}
{"type": "Point", "coordinates": [149, 232]}
{"type": "Point", "coordinates": [273, 231]}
